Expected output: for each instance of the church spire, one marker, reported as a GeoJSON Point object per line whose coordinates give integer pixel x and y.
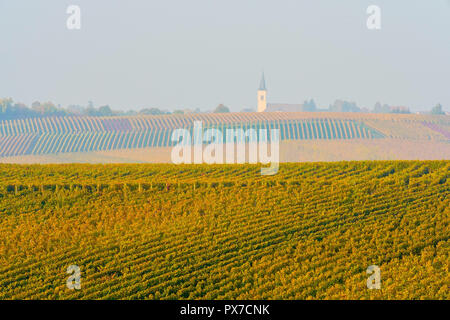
{"type": "Point", "coordinates": [262, 84]}
{"type": "Point", "coordinates": [262, 95]}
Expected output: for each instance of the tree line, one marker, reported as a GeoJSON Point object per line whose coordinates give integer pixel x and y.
{"type": "Point", "coordinates": [9, 109]}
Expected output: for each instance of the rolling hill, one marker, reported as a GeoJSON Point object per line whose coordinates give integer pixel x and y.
{"type": "Point", "coordinates": [304, 136]}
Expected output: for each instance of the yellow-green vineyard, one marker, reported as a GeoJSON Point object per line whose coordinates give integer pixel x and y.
{"type": "Point", "coordinates": [225, 232]}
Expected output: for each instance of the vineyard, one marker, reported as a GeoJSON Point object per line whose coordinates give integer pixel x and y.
{"type": "Point", "coordinates": [225, 231]}
{"type": "Point", "coordinates": [73, 134]}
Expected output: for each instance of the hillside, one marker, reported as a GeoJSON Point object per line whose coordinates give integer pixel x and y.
{"type": "Point", "coordinates": [225, 232]}
{"type": "Point", "coordinates": [316, 136]}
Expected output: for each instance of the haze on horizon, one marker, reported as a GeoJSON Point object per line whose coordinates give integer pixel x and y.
{"type": "Point", "coordinates": [186, 54]}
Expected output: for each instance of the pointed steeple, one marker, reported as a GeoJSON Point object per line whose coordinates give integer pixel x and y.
{"type": "Point", "coordinates": [262, 95]}
{"type": "Point", "coordinates": [262, 84]}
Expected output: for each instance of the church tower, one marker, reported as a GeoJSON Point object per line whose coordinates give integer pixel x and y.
{"type": "Point", "coordinates": [262, 95]}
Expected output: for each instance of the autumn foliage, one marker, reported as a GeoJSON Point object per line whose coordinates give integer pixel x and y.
{"type": "Point", "coordinates": [225, 232]}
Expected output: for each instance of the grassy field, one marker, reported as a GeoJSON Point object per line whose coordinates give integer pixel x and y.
{"type": "Point", "coordinates": [225, 232]}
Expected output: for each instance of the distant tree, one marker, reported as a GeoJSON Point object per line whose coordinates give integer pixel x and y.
{"type": "Point", "coordinates": [309, 106]}
{"type": "Point", "coordinates": [11, 110]}
{"type": "Point", "coordinates": [399, 109]}
{"type": "Point", "coordinates": [378, 108]}
{"type": "Point", "coordinates": [105, 111]}
{"type": "Point", "coordinates": [49, 108]}
{"type": "Point", "coordinates": [35, 104]}
{"type": "Point", "coordinates": [152, 111]}
{"type": "Point", "coordinates": [344, 106]}
{"type": "Point", "coordinates": [5, 104]}
{"type": "Point", "coordinates": [20, 106]}
{"type": "Point", "coordinates": [75, 109]}
{"type": "Point", "coordinates": [90, 111]}
{"type": "Point", "coordinates": [20, 110]}
{"type": "Point", "coordinates": [45, 108]}
{"type": "Point", "coordinates": [178, 112]}
{"type": "Point", "coordinates": [221, 109]}
{"type": "Point", "coordinates": [437, 110]}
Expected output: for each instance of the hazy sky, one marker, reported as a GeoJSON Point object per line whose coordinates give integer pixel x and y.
{"type": "Point", "coordinates": [199, 53]}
